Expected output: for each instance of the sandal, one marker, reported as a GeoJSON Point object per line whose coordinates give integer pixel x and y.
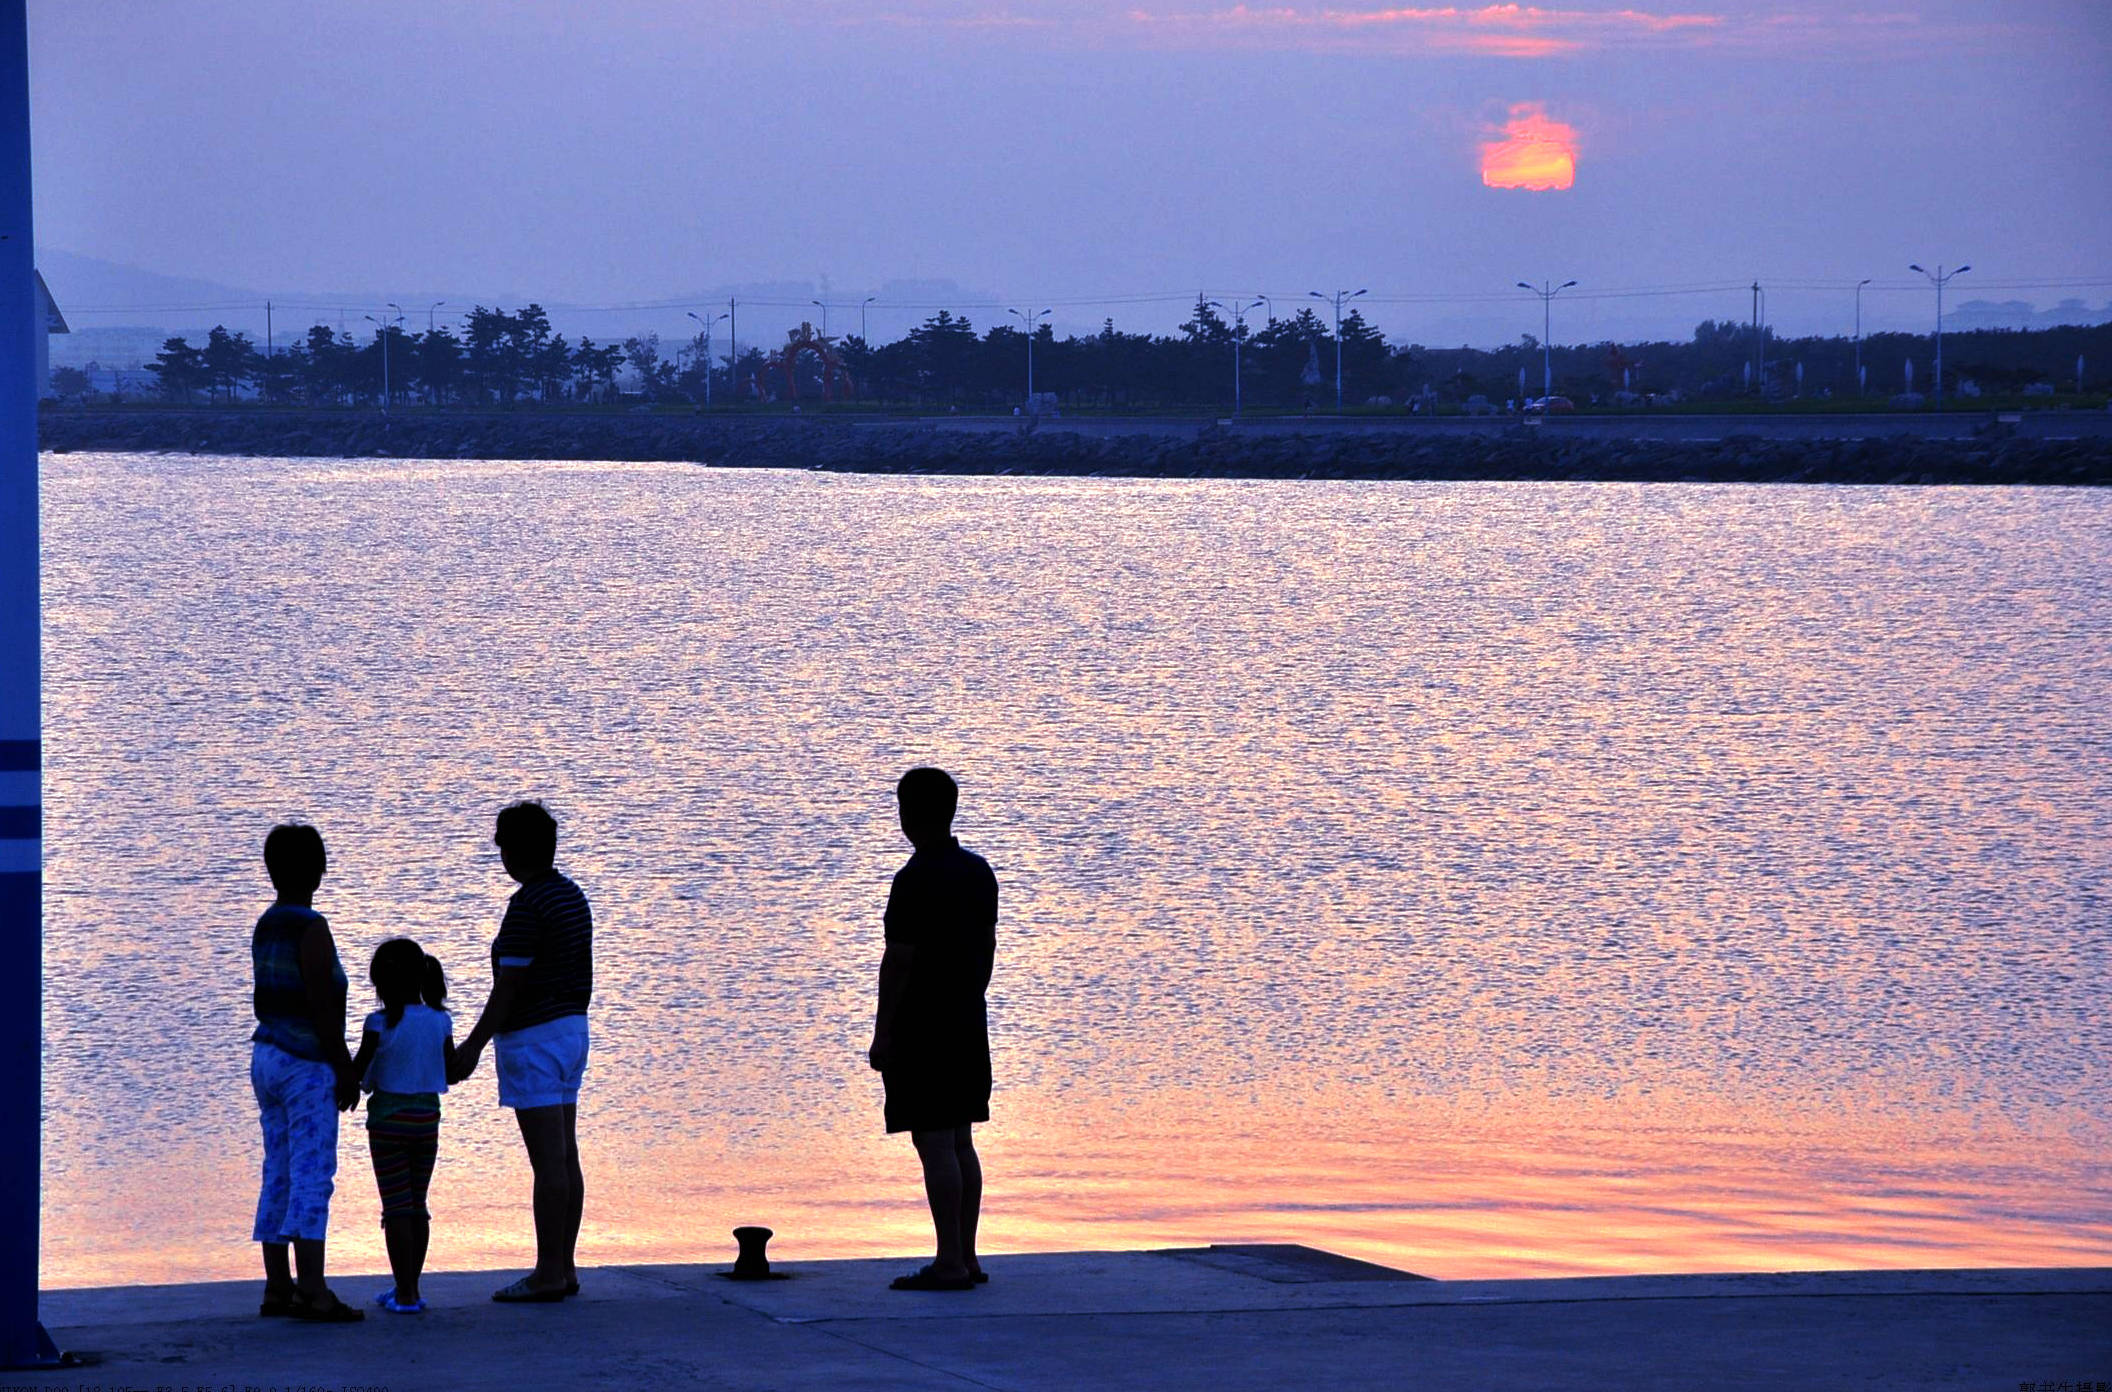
{"type": "Point", "coordinates": [328, 1310]}
{"type": "Point", "coordinates": [521, 1293]}
{"type": "Point", "coordinates": [277, 1304]}
{"type": "Point", "coordinates": [387, 1300]}
{"type": "Point", "coordinates": [925, 1279]}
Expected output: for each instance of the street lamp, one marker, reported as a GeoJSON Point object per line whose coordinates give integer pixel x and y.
{"type": "Point", "coordinates": [824, 316]}
{"type": "Point", "coordinates": [861, 319]}
{"type": "Point", "coordinates": [1940, 278]}
{"type": "Point", "coordinates": [429, 314]}
{"type": "Point", "coordinates": [1337, 299]}
{"type": "Point", "coordinates": [381, 331]}
{"type": "Point", "coordinates": [1032, 321]}
{"type": "Point", "coordinates": [1239, 332]}
{"type": "Point", "coordinates": [1547, 292]}
{"type": "Point", "coordinates": [1760, 336]}
{"type": "Point", "coordinates": [1859, 335]}
{"type": "Point", "coordinates": [707, 323]}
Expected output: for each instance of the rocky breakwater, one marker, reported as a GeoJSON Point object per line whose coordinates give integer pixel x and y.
{"type": "Point", "coordinates": [1993, 457]}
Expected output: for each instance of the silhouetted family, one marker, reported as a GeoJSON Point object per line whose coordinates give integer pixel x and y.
{"type": "Point", "coordinates": [931, 1045]}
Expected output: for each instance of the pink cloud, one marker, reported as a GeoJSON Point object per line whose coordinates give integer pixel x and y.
{"type": "Point", "coordinates": [1509, 31]}
{"type": "Point", "coordinates": [1504, 30]}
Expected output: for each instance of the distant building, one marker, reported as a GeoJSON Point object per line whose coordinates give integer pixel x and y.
{"type": "Point", "coordinates": [54, 323]}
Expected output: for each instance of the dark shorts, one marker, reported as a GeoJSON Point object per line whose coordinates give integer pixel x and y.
{"type": "Point", "coordinates": [936, 1099]}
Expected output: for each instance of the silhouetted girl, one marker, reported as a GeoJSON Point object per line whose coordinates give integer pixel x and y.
{"type": "Point", "coordinates": [403, 1059]}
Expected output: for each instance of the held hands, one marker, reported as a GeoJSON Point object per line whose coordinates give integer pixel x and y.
{"type": "Point", "coordinates": [461, 1063]}
{"type": "Point", "coordinates": [347, 1092]}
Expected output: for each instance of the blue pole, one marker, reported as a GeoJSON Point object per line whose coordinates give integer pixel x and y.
{"type": "Point", "coordinates": [23, 1343]}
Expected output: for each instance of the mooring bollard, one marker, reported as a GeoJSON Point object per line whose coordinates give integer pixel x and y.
{"type": "Point", "coordinates": [753, 1263]}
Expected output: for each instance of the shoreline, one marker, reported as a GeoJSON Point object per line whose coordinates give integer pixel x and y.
{"type": "Point", "coordinates": [1970, 449]}
{"type": "Point", "coordinates": [1222, 1318]}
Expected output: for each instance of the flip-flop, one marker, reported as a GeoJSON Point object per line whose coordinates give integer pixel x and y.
{"type": "Point", "coordinates": [334, 1312]}
{"type": "Point", "coordinates": [275, 1307]}
{"type": "Point", "coordinates": [521, 1293]}
{"type": "Point", "coordinates": [387, 1300]}
{"type": "Point", "coordinates": [925, 1279]}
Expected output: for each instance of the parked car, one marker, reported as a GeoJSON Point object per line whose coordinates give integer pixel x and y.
{"type": "Point", "coordinates": [1549, 405]}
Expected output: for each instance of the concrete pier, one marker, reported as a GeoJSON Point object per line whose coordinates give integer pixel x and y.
{"type": "Point", "coordinates": [1221, 1318]}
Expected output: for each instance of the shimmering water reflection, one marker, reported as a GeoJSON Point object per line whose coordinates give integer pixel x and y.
{"type": "Point", "coordinates": [1486, 879]}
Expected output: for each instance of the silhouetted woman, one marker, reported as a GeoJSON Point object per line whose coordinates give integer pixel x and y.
{"type": "Point", "coordinates": [302, 1076]}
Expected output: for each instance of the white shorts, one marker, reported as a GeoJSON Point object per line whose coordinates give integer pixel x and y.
{"type": "Point", "coordinates": [541, 1066]}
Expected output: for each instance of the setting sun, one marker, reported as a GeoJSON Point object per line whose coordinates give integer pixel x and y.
{"type": "Point", "coordinates": [1536, 152]}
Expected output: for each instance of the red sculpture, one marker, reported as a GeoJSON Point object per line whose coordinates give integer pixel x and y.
{"type": "Point", "coordinates": [835, 378]}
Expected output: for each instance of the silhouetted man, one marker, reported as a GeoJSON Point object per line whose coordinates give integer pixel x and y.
{"type": "Point", "coordinates": [931, 1034]}
{"type": "Point", "coordinates": [542, 965]}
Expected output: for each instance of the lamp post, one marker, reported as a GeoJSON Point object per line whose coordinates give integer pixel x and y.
{"type": "Point", "coordinates": [1859, 335]}
{"type": "Point", "coordinates": [1547, 292]}
{"type": "Point", "coordinates": [1337, 299]}
{"type": "Point", "coordinates": [861, 319]}
{"type": "Point", "coordinates": [1940, 278]}
{"type": "Point", "coordinates": [707, 323]}
{"type": "Point", "coordinates": [1760, 337]}
{"type": "Point", "coordinates": [1032, 321]}
{"type": "Point", "coordinates": [381, 331]}
{"type": "Point", "coordinates": [432, 392]}
{"type": "Point", "coordinates": [1239, 332]}
{"type": "Point", "coordinates": [824, 317]}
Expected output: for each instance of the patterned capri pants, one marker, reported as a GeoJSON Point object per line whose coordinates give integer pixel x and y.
{"type": "Point", "coordinates": [403, 1135]}
{"type": "Point", "coordinates": [297, 1102]}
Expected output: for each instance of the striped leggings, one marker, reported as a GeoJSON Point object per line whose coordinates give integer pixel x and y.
{"type": "Point", "coordinates": [403, 1134]}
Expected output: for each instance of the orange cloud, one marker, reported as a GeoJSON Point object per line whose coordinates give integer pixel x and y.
{"type": "Point", "coordinates": [1536, 152]}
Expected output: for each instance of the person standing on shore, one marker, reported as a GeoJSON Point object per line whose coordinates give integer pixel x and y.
{"type": "Point", "coordinates": [931, 1032]}
{"type": "Point", "coordinates": [542, 966]}
{"type": "Point", "coordinates": [403, 1059]}
{"type": "Point", "coordinates": [302, 1077]}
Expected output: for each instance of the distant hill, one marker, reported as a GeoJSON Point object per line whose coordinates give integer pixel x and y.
{"type": "Point", "coordinates": [94, 292]}
{"type": "Point", "coordinates": [120, 314]}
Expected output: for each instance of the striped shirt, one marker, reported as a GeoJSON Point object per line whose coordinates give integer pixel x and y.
{"type": "Point", "coordinates": [549, 930]}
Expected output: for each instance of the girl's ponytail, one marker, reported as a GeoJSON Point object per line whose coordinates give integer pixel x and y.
{"type": "Point", "coordinates": [399, 976]}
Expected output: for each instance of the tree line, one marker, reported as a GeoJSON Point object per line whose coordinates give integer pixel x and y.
{"type": "Point", "coordinates": [499, 358]}
{"type": "Point", "coordinates": [503, 359]}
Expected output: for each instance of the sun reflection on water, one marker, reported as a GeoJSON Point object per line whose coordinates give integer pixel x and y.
{"type": "Point", "coordinates": [1480, 879]}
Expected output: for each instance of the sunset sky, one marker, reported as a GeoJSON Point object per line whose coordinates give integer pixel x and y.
{"type": "Point", "coordinates": [1093, 154]}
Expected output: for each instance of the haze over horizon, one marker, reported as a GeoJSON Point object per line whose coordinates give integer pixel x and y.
{"type": "Point", "coordinates": [1102, 159]}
